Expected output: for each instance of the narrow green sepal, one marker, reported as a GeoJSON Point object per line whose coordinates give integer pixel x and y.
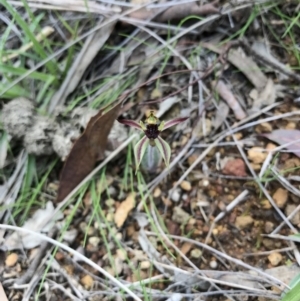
{"type": "Point", "coordinates": [139, 151]}
{"type": "Point", "coordinates": [164, 149]}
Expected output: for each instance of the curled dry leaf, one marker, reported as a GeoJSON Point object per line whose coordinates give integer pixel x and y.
{"type": "Point", "coordinates": [86, 151]}
{"type": "Point", "coordinates": [124, 209]}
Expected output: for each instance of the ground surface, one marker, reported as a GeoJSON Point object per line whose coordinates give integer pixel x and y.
{"type": "Point", "coordinates": [221, 222]}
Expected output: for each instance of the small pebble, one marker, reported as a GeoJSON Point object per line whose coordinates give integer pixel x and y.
{"type": "Point", "coordinates": [268, 243]}
{"type": "Point", "coordinates": [94, 241]}
{"type": "Point", "coordinates": [257, 154]}
{"type": "Point", "coordinates": [87, 281]}
{"type": "Point", "coordinates": [157, 192]}
{"type": "Point", "coordinates": [196, 253]}
{"type": "Point", "coordinates": [112, 191]}
{"type": "Point", "coordinates": [110, 217]}
{"type": "Point", "coordinates": [180, 216]}
{"type": "Point", "coordinates": [204, 183]}
{"type": "Point", "coordinates": [175, 197]}
{"type": "Point", "coordinates": [192, 221]}
{"type": "Point", "coordinates": [145, 264]}
{"type": "Point", "coordinates": [269, 227]}
{"type": "Point", "coordinates": [11, 259]}
{"type": "Point", "coordinates": [121, 253]}
{"type": "Point", "coordinates": [184, 197]}
{"type": "Point", "coordinates": [119, 236]}
{"type": "Point", "coordinates": [70, 235]}
{"type": "Point", "coordinates": [215, 231]}
{"type": "Point", "coordinates": [242, 222]}
{"type": "Point", "coordinates": [59, 256]}
{"type": "Point", "coordinates": [186, 247]}
{"type": "Point", "coordinates": [275, 258]}
{"type": "Point", "coordinates": [280, 197]}
{"type": "Point", "coordinates": [271, 146]}
{"type": "Point", "coordinates": [110, 202]}
{"type": "Point", "coordinates": [266, 204]}
{"type": "Point", "coordinates": [264, 127]}
{"type": "Point", "coordinates": [213, 264]}
{"type": "Point", "coordinates": [186, 185]}
{"type": "Point", "coordinates": [291, 125]}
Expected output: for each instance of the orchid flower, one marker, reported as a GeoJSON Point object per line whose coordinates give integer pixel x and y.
{"type": "Point", "coordinates": [152, 129]}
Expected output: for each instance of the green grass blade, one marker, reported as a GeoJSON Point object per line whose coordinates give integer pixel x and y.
{"type": "Point", "coordinates": [51, 65]}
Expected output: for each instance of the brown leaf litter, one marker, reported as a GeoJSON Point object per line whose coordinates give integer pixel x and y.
{"type": "Point", "coordinates": [86, 151]}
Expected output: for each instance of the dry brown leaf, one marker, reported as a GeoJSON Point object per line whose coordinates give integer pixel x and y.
{"type": "Point", "coordinates": [86, 151]}
{"type": "Point", "coordinates": [124, 209]}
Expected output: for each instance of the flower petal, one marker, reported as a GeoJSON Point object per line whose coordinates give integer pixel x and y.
{"type": "Point", "coordinates": [164, 149]}
{"type": "Point", "coordinates": [131, 123]}
{"type": "Point", "coordinates": [139, 150]}
{"type": "Point", "coordinates": [174, 121]}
